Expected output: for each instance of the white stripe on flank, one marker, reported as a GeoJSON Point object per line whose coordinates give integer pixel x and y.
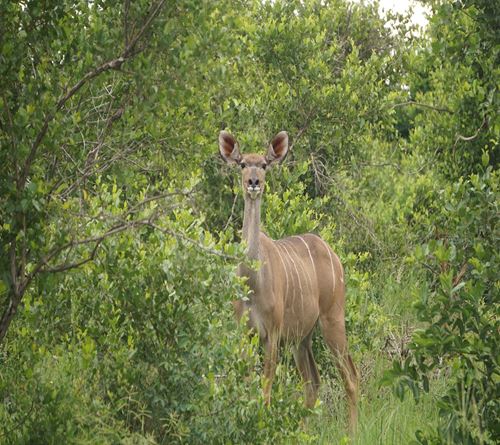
{"type": "Point", "coordinates": [331, 263]}
{"type": "Point", "coordinates": [309, 251]}
{"type": "Point", "coordinates": [284, 265]}
{"type": "Point", "coordinates": [341, 268]}
{"type": "Point", "coordinates": [298, 275]}
{"type": "Point", "coordinates": [294, 250]}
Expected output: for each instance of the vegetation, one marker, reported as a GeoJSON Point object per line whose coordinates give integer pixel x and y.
{"type": "Point", "coordinates": [119, 225]}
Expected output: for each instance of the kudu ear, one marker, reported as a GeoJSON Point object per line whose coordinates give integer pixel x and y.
{"type": "Point", "coordinates": [229, 148]}
{"type": "Point", "coordinates": [278, 148]}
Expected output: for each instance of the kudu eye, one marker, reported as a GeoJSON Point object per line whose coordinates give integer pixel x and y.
{"type": "Point", "coordinates": [264, 166]}
{"type": "Point", "coordinates": [242, 165]}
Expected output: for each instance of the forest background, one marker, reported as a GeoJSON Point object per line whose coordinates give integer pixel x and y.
{"type": "Point", "coordinates": [120, 226]}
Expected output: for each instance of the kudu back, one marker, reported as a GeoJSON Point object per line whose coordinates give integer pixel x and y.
{"type": "Point", "coordinates": [300, 282]}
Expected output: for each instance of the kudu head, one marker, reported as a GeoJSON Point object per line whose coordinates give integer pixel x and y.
{"type": "Point", "coordinates": [253, 166]}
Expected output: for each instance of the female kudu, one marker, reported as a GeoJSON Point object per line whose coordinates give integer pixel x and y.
{"type": "Point", "coordinates": [300, 281]}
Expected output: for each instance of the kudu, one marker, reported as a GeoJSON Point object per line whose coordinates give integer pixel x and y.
{"type": "Point", "coordinates": [300, 280]}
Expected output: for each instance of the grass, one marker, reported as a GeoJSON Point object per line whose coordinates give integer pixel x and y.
{"type": "Point", "coordinates": [383, 418]}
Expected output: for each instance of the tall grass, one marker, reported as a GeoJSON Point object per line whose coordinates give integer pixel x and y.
{"type": "Point", "coordinates": [383, 418]}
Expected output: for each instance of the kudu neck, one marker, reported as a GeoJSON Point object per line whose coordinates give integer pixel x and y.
{"type": "Point", "coordinates": [251, 226]}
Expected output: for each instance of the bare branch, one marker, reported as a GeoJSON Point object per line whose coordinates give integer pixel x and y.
{"type": "Point", "coordinates": [93, 154]}
{"type": "Point", "coordinates": [102, 166]}
{"type": "Point", "coordinates": [155, 9]}
{"type": "Point", "coordinates": [308, 120]}
{"type": "Point", "coordinates": [11, 122]}
{"type": "Point", "coordinates": [419, 104]}
{"type": "Point", "coordinates": [114, 64]}
{"type": "Point", "coordinates": [461, 273]}
{"type": "Point", "coordinates": [158, 197]}
{"type": "Point", "coordinates": [197, 244]}
{"type": "Point", "coordinates": [43, 266]}
{"type": "Point", "coordinates": [67, 266]}
{"type": "Point", "coordinates": [125, 21]}
{"type": "Point", "coordinates": [13, 267]}
{"type": "Point", "coordinates": [469, 138]}
{"type": "Point", "coordinates": [232, 212]}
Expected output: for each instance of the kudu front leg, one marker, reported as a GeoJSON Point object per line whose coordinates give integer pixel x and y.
{"type": "Point", "coordinates": [270, 363]}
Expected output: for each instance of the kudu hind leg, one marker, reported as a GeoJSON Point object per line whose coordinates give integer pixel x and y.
{"type": "Point", "coordinates": [307, 367]}
{"type": "Point", "coordinates": [270, 363]}
{"type": "Point", "coordinates": [335, 337]}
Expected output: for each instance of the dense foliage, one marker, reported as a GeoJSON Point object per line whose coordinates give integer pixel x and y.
{"type": "Point", "coordinates": [119, 226]}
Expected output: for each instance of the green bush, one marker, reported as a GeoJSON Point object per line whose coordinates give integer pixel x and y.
{"type": "Point", "coordinates": [119, 229]}
{"type": "Point", "coordinates": [460, 316]}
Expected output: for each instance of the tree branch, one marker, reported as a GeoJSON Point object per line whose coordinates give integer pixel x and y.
{"type": "Point", "coordinates": [101, 167]}
{"type": "Point", "coordinates": [43, 266]}
{"type": "Point", "coordinates": [469, 138]}
{"type": "Point", "coordinates": [308, 120]}
{"type": "Point", "coordinates": [232, 212]}
{"type": "Point", "coordinates": [114, 64]}
{"type": "Point", "coordinates": [155, 9]}
{"type": "Point", "coordinates": [125, 21]}
{"type": "Point", "coordinates": [419, 104]}
{"type": "Point", "coordinates": [67, 266]}
{"type": "Point", "coordinates": [13, 267]}
{"type": "Point", "coordinates": [11, 122]}
{"type": "Point", "coordinates": [120, 226]}
{"type": "Point", "coordinates": [193, 242]}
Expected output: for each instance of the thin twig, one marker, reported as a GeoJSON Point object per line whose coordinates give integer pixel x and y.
{"type": "Point", "coordinates": [42, 265]}
{"type": "Point", "coordinates": [469, 138]}
{"type": "Point", "coordinates": [125, 21]}
{"type": "Point", "coordinates": [114, 64]}
{"type": "Point", "coordinates": [152, 14]}
{"type": "Point", "coordinates": [194, 242]}
{"type": "Point", "coordinates": [122, 225]}
{"type": "Point", "coordinates": [20, 422]}
{"type": "Point", "coordinates": [103, 166]}
{"type": "Point", "coordinates": [232, 212]}
{"type": "Point", "coordinates": [11, 122]}
{"type": "Point", "coordinates": [68, 266]}
{"type": "Point", "coordinates": [309, 119]}
{"type": "Point", "coordinates": [461, 273]}
{"type": "Point", "coordinates": [419, 104]}
{"type": "Point", "coordinates": [361, 220]}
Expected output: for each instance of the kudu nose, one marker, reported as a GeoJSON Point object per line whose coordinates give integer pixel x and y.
{"type": "Point", "coordinates": [253, 182]}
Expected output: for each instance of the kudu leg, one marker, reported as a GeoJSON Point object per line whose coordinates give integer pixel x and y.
{"type": "Point", "coordinates": [307, 367]}
{"type": "Point", "coordinates": [333, 329]}
{"type": "Point", "coordinates": [270, 363]}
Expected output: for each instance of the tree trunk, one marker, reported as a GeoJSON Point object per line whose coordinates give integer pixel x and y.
{"type": "Point", "coordinates": [9, 313]}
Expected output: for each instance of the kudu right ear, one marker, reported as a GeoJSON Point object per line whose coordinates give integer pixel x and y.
{"type": "Point", "coordinates": [278, 148]}
{"type": "Point", "coordinates": [229, 148]}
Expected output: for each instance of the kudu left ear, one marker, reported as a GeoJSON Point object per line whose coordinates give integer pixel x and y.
{"type": "Point", "coordinates": [278, 148]}
{"type": "Point", "coordinates": [229, 148]}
